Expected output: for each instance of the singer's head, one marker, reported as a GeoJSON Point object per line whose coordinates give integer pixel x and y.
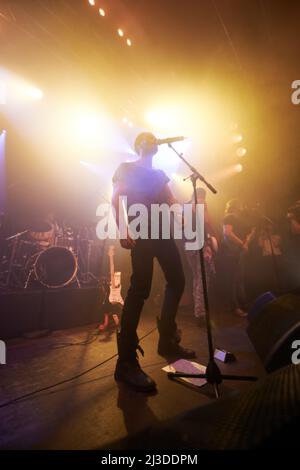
{"type": "Point", "coordinates": [145, 145]}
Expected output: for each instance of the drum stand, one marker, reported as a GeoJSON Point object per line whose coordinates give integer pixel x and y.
{"type": "Point", "coordinates": [28, 279]}
{"type": "Point", "coordinates": [77, 282]}
{"type": "Point", "coordinates": [87, 276]}
{"type": "Point", "coordinates": [11, 271]}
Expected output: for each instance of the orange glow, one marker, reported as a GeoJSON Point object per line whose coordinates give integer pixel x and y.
{"type": "Point", "coordinates": [227, 173]}
{"type": "Point", "coordinates": [237, 138]}
{"type": "Point", "coordinates": [233, 126]}
{"type": "Point", "coordinates": [2, 92]}
{"type": "Point", "coordinates": [34, 93]}
{"type": "Point", "coordinates": [241, 152]}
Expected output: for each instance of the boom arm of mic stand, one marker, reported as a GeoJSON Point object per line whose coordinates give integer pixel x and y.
{"type": "Point", "coordinates": [195, 172]}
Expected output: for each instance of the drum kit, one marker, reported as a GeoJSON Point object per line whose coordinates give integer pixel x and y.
{"type": "Point", "coordinates": [48, 256]}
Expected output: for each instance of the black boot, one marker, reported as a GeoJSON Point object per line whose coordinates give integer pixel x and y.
{"type": "Point", "coordinates": [128, 369]}
{"type": "Point", "coordinates": [177, 333]}
{"type": "Point", "coordinates": [168, 345]}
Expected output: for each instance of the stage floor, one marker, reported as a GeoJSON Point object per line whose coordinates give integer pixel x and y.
{"type": "Point", "coordinates": [92, 411]}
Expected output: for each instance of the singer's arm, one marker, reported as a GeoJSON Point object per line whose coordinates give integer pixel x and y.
{"type": "Point", "coordinates": [118, 191]}
{"type": "Point", "coordinates": [168, 197]}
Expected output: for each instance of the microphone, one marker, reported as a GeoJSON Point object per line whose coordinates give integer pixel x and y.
{"type": "Point", "coordinates": [169, 140]}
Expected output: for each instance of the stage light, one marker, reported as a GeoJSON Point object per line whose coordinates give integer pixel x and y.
{"type": "Point", "coordinates": [238, 168]}
{"type": "Point", "coordinates": [21, 90]}
{"type": "Point", "coordinates": [88, 125]}
{"type": "Point", "coordinates": [92, 3]}
{"type": "Point", "coordinates": [125, 120]}
{"type": "Point", "coordinates": [34, 93]}
{"type": "Point", "coordinates": [241, 152]}
{"type": "Point", "coordinates": [233, 126]}
{"type": "Point", "coordinates": [14, 89]}
{"type": "Point", "coordinates": [130, 124]}
{"type": "Point", "coordinates": [236, 138]}
{"type": "Point", "coordinates": [101, 12]}
{"type": "Point", "coordinates": [120, 32]}
{"type": "Point", "coordinates": [227, 173]}
{"type": "Point", "coordinates": [128, 42]}
{"type": "Point", "coordinates": [88, 130]}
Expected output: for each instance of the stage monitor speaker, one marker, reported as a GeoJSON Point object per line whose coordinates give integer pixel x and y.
{"type": "Point", "coordinates": [260, 304]}
{"type": "Point", "coordinates": [273, 328]}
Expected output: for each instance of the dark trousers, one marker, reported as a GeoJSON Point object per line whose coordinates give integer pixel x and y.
{"type": "Point", "coordinates": [142, 256]}
{"type": "Point", "coordinates": [230, 280]}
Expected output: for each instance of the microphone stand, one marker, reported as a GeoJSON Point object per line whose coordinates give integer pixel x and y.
{"type": "Point", "coordinates": [212, 374]}
{"type": "Point", "coordinates": [274, 261]}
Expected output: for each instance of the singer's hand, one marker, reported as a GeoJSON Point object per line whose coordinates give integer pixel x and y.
{"type": "Point", "coordinates": [127, 243]}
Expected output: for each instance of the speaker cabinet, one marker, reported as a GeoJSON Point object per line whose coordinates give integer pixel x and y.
{"type": "Point", "coordinates": [273, 328]}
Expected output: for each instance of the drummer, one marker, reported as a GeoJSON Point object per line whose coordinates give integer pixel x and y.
{"type": "Point", "coordinates": [45, 230]}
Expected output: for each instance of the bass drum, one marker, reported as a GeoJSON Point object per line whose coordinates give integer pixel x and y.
{"type": "Point", "coordinates": [55, 267]}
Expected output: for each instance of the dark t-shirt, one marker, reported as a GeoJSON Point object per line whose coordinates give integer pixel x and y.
{"type": "Point", "coordinates": [240, 229]}
{"type": "Point", "coordinates": [141, 185]}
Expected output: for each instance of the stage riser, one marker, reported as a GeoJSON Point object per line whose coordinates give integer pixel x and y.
{"type": "Point", "coordinates": [49, 309]}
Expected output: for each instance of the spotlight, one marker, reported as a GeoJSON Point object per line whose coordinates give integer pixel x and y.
{"type": "Point", "coordinates": [34, 93]}
{"type": "Point", "coordinates": [88, 125]}
{"type": "Point", "coordinates": [120, 32]}
{"type": "Point", "coordinates": [130, 124]}
{"type": "Point", "coordinates": [239, 168]}
{"type": "Point", "coordinates": [101, 12]}
{"type": "Point", "coordinates": [129, 43]}
{"type": "Point", "coordinates": [92, 3]}
{"type": "Point", "coordinates": [236, 138]}
{"type": "Point", "coordinates": [241, 152]}
{"type": "Point", "coordinates": [233, 126]}
{"type": "Point", "coordinates": [125, 120]}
